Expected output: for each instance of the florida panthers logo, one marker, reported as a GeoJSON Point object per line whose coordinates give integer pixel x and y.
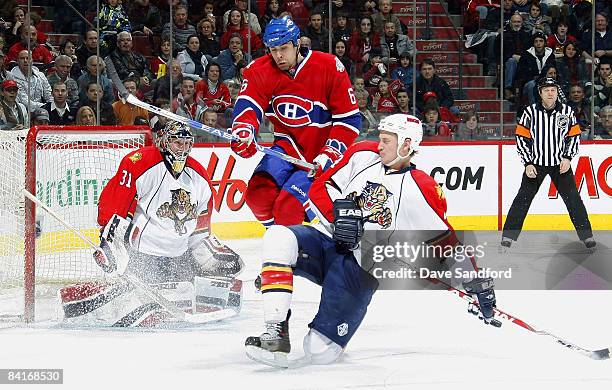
{"type": "Point", "coordinates": [180, 210]}
{"type": "Point", "coordinates": [292, 111]}
{"type": "Point", "coordinates": [372, 199]}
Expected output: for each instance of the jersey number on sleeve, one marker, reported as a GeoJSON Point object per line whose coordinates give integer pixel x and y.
{"type": "Point", "coordinates": [351, 94]}
{"type": "Point", "coordinates": [126, 179]}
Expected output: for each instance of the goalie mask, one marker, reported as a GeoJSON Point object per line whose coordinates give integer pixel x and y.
{"type": "Point", "coordinates": [405, 127]}
{"type": "Point", "coordinates": [175, 143]}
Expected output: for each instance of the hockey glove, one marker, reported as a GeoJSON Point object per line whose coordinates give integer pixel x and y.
{"type": "Point", "coordinates": [113, 255]}
{"type": "Point", "coordinates": [482, 290]}
{"type": "Point", "coordinates": [245, 146]}
{"type": "Point", "coordinates": [216, 259]}
{"type": "Point", "coordinates": [348, 225]}
{"type": "Point", "coordinates": [331, 152]}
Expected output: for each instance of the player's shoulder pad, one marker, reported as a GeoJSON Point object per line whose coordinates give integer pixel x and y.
{"type": "Point", "coordinates": [363, 152]}
{"type": "Point", "coordinates": [362, 146]}
{"type": "Point", "coordinates": [263, 63]}
{"type": "Point", "coordinates": [142, 159]}
{"type": "Point", "coordinates": [325, 59]}
{"type": "Point", "coordinates": [427, 183]}
{"type": "Point", "coordinates": [197, 167]}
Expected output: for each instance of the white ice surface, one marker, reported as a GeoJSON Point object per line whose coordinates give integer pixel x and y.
{"type": "Point", "coordinates": [408, 340]}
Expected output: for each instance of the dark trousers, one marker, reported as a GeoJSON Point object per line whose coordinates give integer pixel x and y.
{"type": "Point", "coordinates": [566, 186]}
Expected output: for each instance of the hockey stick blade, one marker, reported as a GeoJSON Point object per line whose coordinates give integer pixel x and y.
{"type": "Point", "coordinates": [126, 96]}
{"type": "Point", "coordinates": [601, 354]}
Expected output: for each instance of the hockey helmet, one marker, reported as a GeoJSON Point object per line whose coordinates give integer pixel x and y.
{"type": "Point", "coordinates": [405, 127]}
{"type": "Point", "coordinates": [280, 31]}
{"type": "Point", "coordinates": [175, 156]}
{"type": "Point", "coordinates": [547, 82]}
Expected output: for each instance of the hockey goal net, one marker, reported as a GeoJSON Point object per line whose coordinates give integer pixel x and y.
{"type": "Point", "coordinates": [66, 168]}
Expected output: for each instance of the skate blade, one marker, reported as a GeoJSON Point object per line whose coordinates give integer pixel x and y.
{"type": "Point", "coordinates": [275, 359]}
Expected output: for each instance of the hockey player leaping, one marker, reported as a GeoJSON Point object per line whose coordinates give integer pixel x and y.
{"type": "Point", "coordinates": [168, 197]}
{"type": "Point", "coordinates": [308, 98]}
{"type": "Point", "coordinates": [373, 187]}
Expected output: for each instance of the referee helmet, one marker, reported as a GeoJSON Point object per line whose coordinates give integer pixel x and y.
{"type": "Point", "coordinates": [547, 82]}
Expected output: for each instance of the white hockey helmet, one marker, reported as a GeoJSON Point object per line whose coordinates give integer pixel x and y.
{"type": "Point", "coordinates": [405, 127]}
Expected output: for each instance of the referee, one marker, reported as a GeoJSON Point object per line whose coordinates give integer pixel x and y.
{"type": "Point", "coordinates": [547, 138]}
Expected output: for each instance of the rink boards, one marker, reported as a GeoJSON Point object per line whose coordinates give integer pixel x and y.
{"type": "Point", "coordinates": [479, 180]}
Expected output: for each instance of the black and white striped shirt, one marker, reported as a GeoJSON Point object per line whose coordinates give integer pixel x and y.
{"type": "Point", "coordinates": [544, 137]}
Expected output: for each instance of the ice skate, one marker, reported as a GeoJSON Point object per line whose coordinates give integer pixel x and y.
{"type": "Point", "coordinates": [272, 346]}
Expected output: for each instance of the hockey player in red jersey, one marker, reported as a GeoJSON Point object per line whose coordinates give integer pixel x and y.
{"type": "Point", "coordinates": [373, 187]}
{"type": "Point", "coordinates": [308, 98]}
{"type": "Point", "coordinates": [167, 196]}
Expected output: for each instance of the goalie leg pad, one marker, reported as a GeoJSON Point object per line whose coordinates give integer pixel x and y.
{"type": "Point", "coordinates": [114, 305]}
{"type": "Point", "coordinates": [212, 294]}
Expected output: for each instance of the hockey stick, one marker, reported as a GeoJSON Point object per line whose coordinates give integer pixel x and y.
{"type": "Point", "coordinates": [600, 354]}
{"type": "Point", "coordinates": [126, 96]}
{"type": "Point", "coordinates": [180, 315]}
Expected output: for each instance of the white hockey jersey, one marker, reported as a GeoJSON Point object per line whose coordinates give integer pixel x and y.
{"type": "Point", "coordinates": [390, 200]}
{"type": "Point", "coordinates": [170, 214]}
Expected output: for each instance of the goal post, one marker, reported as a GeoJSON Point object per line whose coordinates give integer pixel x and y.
{"type": "Point", "coordinates": [66, 167]}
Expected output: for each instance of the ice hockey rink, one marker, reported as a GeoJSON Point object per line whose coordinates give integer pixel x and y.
{"type": "Point", "coordinates": [408, 340]}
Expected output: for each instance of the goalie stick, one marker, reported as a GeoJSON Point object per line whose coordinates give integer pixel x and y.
{"type": "Point", "coordinates": [178, 314]}
{"type": "Point", "coordinates": [128, 97]}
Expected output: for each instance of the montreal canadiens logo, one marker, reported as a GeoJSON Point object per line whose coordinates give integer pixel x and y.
{"type": "Point", "coordinates": [292, 111]}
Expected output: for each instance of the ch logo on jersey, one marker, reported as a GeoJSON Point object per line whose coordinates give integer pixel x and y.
{"type": "Point", "coordinates": [292, 111]}
{"type": "Point", "coordinates": [180, 210]}
{"type": "Point", "coordinates": [372, 199]}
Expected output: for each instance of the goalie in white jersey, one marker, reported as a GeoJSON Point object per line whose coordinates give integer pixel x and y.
{"type": "Point", "coordinates": [373, 187]}
{"type": "Point", "coordinates": [159, 204]}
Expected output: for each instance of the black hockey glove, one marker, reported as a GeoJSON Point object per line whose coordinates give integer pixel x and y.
{"type": "Point", "coordinates": [482, 290]}
{"type": "Point", "coordinates": [348, 225]}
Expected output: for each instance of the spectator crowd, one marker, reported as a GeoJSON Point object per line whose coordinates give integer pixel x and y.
{"type": "Point", "coordinates": [188, 56]}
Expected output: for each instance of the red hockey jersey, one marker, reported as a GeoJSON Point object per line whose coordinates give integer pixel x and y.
{"type": "Point", "coordinates": [314, 105]}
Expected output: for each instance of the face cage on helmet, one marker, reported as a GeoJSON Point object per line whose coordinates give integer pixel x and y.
{"type": "Point", "coordinates": [176, 159]}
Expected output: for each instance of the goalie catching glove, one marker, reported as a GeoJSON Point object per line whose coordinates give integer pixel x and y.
{"type": "Point", "coordinates": [348, 225]}
{"type": "Point", "coordinates": [113, 255]}
{"type": "Point", "coordinates": [217, 259]}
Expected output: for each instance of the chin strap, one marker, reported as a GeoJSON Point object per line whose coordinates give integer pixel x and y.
{"type": "Point", "coordinates": [399, 156]}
